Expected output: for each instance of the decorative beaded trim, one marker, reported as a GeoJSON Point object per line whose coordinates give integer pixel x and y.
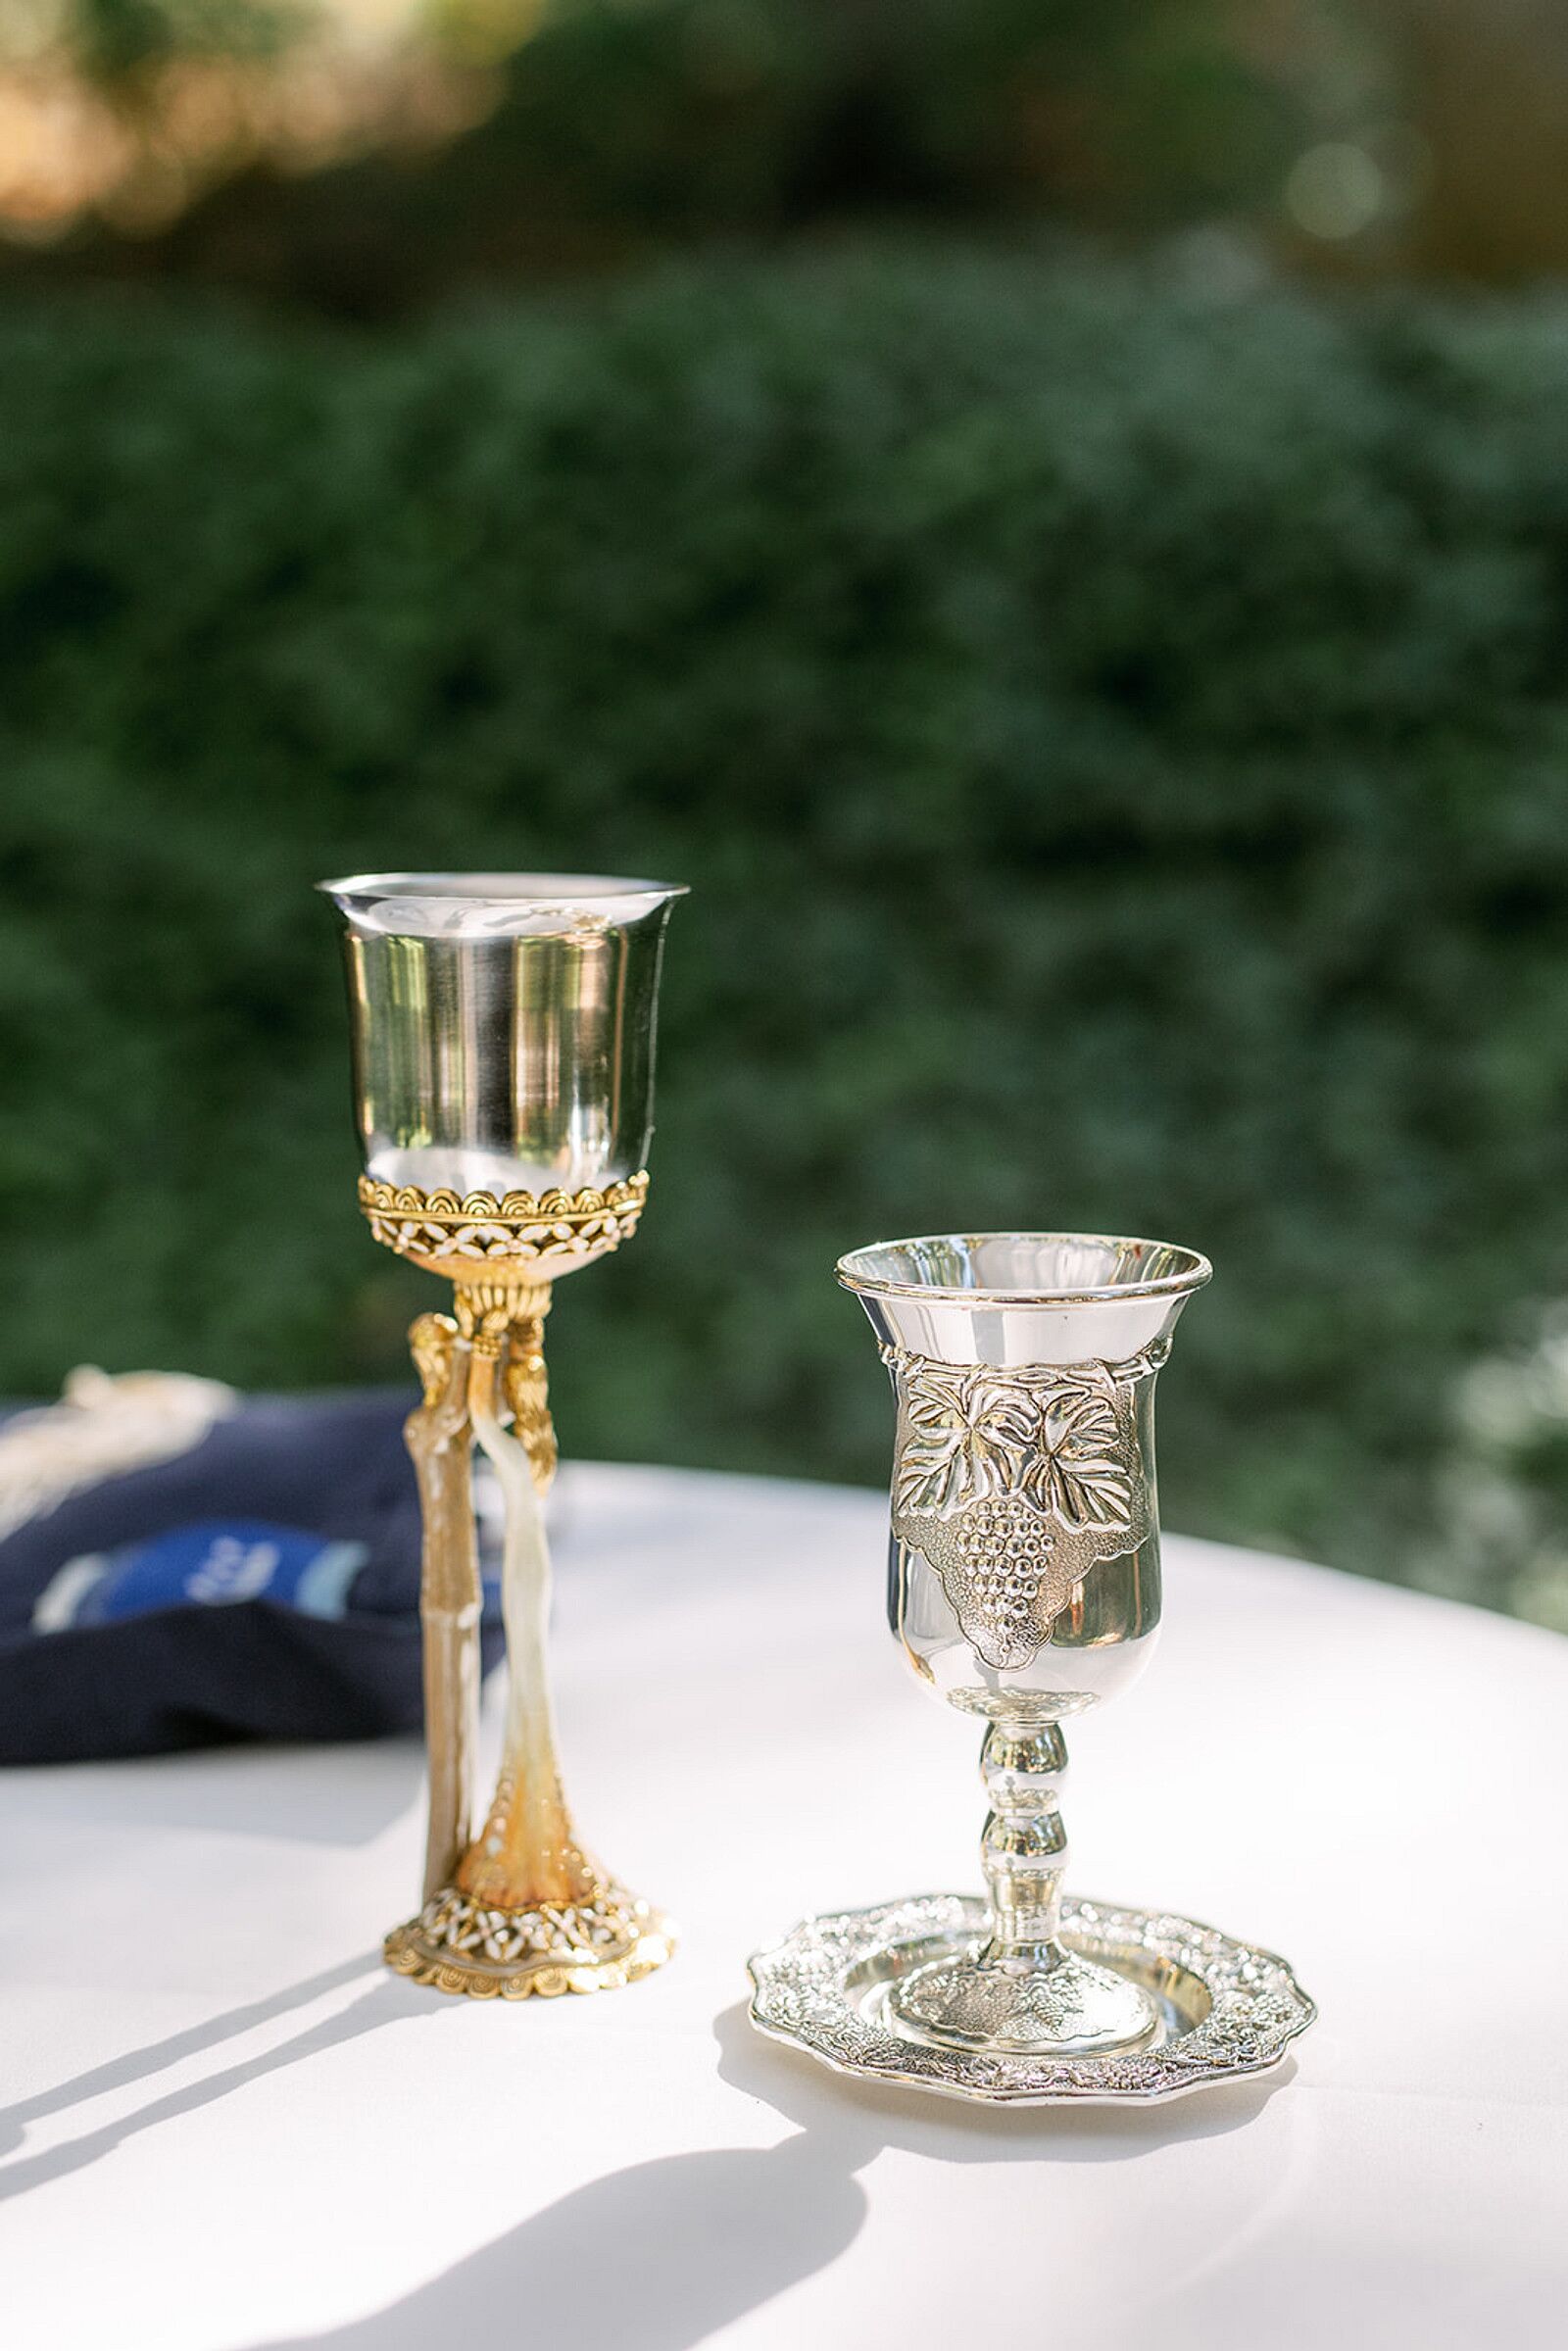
{"type": "Point", "coordinates": [445, 1228]}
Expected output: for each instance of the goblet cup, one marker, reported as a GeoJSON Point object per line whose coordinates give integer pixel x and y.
{"type": "Point", "coordinates": [503, 1039]}
{"type": "Point", "coordinates": [1025, 1575]}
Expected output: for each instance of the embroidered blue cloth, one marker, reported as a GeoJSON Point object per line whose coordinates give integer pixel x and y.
{"type": "Point", "coordinates": [179, 1565]}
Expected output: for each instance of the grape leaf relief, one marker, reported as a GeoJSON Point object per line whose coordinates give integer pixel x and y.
{"type": "Point", "coordinates": [1015, 1484]}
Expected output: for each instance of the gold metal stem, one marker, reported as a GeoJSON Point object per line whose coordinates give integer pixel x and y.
{"type": "Point", "coordinates": [438, 1438]}
{"type": "Point", "coordinates": [527, 1853]}
{"type": "Point", "coordinates": [522, 1908]}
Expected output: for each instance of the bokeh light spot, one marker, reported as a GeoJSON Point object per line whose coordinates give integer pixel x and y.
{"type": "Point", "coordinates": [1335, 191]}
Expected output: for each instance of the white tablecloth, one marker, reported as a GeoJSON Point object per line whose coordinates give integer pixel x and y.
{"type": "Point", "coordinates": [223, 2125]}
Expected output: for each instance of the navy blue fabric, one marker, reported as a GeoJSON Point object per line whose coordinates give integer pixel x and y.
{"type": "Point", "coordinates": [326, 1471]}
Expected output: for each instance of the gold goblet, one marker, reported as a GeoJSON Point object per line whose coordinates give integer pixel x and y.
{"type": "Point", "coordinates": [503, 1036]}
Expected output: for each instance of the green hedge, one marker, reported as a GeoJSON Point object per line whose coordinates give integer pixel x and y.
{"type": "Point", "coordinates": [1117, 739]}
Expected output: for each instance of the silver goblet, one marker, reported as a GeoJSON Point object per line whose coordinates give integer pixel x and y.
{"type": "Point", "coordinates": [1024, 1588]}
{"type": "Point", "coordinates": [1024, 1572]}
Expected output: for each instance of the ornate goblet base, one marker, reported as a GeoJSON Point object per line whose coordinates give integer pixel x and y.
{"type": "Point", "coordinates": [461, 1944]}
{"type": "Point", "coordinates": [1052, 2005]}
{"type": "Point", "coordinates": [1223, 2010]}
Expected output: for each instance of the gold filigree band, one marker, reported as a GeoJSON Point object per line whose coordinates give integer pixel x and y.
{"type": "Point", "coordinates": [461, 1235]}
{"type": "Point", "coordinates": [457, 1945]}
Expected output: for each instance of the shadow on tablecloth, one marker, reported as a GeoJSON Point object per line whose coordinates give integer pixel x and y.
{"type": "Point", "coordinates": [664, 2254]}
{"type": "Point", "coordinates": [387, 1999]}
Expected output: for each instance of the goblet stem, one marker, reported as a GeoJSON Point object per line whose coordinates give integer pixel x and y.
{"type": "Point", "coordinates": [526, 1853]}
{"type": "Point", "coordinates": [1023, 1991]}
{"type": "Point", "coordinates": [521, 1909]}
{"type": "Point", "coordinates": [1023, 1848]}
{"type": "Point", "coordinates": [451, 1598]}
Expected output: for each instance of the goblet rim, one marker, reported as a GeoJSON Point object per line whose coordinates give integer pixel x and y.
{"type": "Point", "coordinates": [358, 895]}
{"type": "Point", "coordinates": [1190, 1274]}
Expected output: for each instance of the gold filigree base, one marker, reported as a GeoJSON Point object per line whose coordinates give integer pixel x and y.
{"type": "Point", "coordinates": [458, 1944]}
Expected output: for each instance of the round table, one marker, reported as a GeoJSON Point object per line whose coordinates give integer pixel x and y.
{"type": "Point", "coordinates": [224, 2124]}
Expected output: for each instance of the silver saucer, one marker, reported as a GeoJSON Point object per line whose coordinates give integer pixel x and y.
{"type": "Point", "coordinates": [1227, 2010]}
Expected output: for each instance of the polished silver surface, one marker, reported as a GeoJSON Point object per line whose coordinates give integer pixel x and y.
{"type": "Point", "coordinates": [503, 1026]}
{"type": "Point", "coordinates": [1014, 1488]}
{"type": "Point", "coordinates": [1022, 1298]}
{"type": "Point", "coordinates": [1025, 1575]}
{"type": "Point", "coordinates": [1220, 2010]}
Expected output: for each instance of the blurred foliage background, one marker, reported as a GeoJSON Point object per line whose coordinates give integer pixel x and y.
{"type": "Point", "coordinates": [1051, 517]}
